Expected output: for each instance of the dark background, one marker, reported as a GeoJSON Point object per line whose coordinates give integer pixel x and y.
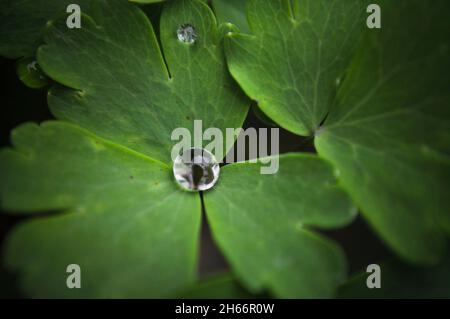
{"type": "Point", "coordinates": [21, 104]}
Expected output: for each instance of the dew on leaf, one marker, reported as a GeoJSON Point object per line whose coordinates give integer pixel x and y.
{"type": "Point", "coordinates": [32, 66]}
{"type": "Point", "coordinates": [338, 82]}
{"type": "Point", "coordinates": [187, 33]}
{"type": "Point", "coordinates": [196, 169]}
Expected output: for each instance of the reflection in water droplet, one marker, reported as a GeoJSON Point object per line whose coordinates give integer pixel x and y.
{"type": "Point", "coordinates": [187, 33]}
{"type": "Point", "coordinates": [196, 169]}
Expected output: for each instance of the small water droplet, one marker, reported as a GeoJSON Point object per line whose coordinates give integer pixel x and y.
{"type": "Point", "coordinates": [196, 169]}
{"type": "Point", "coordinates": [338, 82]}
{"type": "Point", "coordinates": [187, 33]}
{"type": "Point", "coordinates": [337, 173]}
{"type": "Point", "coordinates": [32, 66]}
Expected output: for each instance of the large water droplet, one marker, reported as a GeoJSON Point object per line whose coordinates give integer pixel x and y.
{"type": "Point", "coordinates": [196, 169]}
{"type": "Point", "coordinates": [187, 33]}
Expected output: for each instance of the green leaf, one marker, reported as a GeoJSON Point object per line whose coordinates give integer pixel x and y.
{"type": "Point", "coordinates": [262, 116]}
{"type": "Point", "coordinates": [264, 225]}
{"type": "Point", "coordinates": [402, 281]}
{"type": "Point", "coordinates": [107, 195]}
{"type": "Point", "coordinates": [119, 85]}
{"type": "Point", "coordinates": [29, 72]}
{"type": "Point", "coordinates": [122, 218]}
{"type": "Point", "coordinates": [22, 23]}
{"type": "Point", "coordinates": [295, 55]}
{"type": "Point", "coordinates": [389, 133]}
{"type": "Point", "coordinates": [232, 11]}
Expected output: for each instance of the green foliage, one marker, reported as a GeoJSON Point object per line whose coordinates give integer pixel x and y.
{"type": "Point", "coordinates": [314, 39]}
{"type": "Point", "coordinates": [268, 238]}
{"type": "Point", "coordinates": [22, 22]}
{"type": "Point", "coordinates": [232, 11]}
{"type": "Point", "coordinates": [120, 217]}
{"type": "Point", "coordinates": [115, 205]}
{"type": "Point", "coordinates": [30, 73]}
{"type": "Point", "coordinates": [120, 87]}
{"type": "Point", "coordinates": [387, 130]}
{"type": "Point", "coordinates": [100, 178]}
{"type": "Point", "coordinates": [132, 105]}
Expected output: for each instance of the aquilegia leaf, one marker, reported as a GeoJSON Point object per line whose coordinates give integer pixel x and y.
{"type": "Point", "coordinates": [295, 54]}
{"type": "Point", "coordinates": [22, 23]}
{"type": "Point", "coordinates": [386, 96]}
{"type": "Point", "coordinates": [113, 65]}
{"type": "Point", "coordinates": [122, 220]}
{"type": "Point", "coordinates": [122, 217]}
{"type": "Point", "coordinates": [264, 223]}
{"type": "Point", "coordinates": [232, 11]}
{"type": "Point", "coordinates": [389, 134]}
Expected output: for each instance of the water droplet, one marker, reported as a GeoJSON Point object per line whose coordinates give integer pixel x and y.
{"type": "Point", "coordinates": [187, 33]}
{"type": "Point", "coordinates": [32, 66]}
{"type": "Point", "coordinates": [338, 82]}
{"type": "Point", "coordinates": [196, 169]}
